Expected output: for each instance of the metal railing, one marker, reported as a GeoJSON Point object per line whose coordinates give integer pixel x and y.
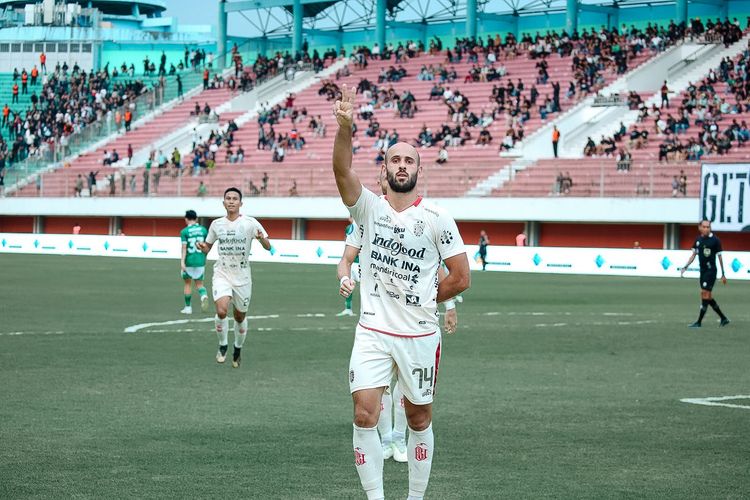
{"type": "Point", "coordinates": [53, 151]}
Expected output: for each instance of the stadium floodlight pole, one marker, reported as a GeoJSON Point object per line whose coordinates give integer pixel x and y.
{"type": "Point", "coordinates": [221, 36]}
{"type": "Point", "coordinates": [571, 16]}
{"type": "Point", "coordinates": [471, 19]}
{"type": "Point", "coordinates": [380, 24]}
{"type": "Point", "coordinates": [681, 11]}
{"type": "Point", "coordinates": [297, 32]}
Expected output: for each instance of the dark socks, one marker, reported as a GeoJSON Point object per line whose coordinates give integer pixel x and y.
{"type": "Point", "coordinates": [715, 307]}
{"type": "Point", "coordinates": [704, 306]}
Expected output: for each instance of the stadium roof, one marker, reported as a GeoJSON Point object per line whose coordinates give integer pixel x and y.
{"type": "Point", "coordinates": [148, 8]}
{"type": "Point", "coordinates": [276, 17]}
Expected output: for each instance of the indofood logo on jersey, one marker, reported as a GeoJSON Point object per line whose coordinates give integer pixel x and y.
{"type": "Point", "coordinates": [395, 247]}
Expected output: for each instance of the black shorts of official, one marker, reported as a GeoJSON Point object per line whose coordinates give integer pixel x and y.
{"type": "Point", "coordinates": [707, 281]}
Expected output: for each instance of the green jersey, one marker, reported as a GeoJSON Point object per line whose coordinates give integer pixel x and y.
{"type": "Point", "coordinates": [191, 235]}
{"type": "Point", "coordinates": [353, 238]}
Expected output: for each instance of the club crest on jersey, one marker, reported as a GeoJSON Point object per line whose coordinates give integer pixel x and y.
{"type": "Point", "coordinates": [707, 252]}
{"type": "Point", "coordinates": [359, 457]}
{"type": "Point", "coordinates": [419, 228]}
{"type": "Point", "coordinates": [420, 452]}
{"type": "Point", "coordinates": [446, 238]}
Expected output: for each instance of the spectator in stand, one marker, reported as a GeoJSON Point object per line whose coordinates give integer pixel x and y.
{"type": "Point", "coordinates": [442, 156]}
{"type": "Point", "coordinates": [664, 95]}
{"type": "Point", "coordinates": [555, 139]}
{"type": "Point", "coordinates": [202, 190]}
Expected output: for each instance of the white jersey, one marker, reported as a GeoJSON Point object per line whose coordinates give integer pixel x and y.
{"type": "Point", "coordinates": [399, 259]}
{"type": "Point", "coordinates": [354, 239]}
{"type": "Point", "coordinates": [235, 238]}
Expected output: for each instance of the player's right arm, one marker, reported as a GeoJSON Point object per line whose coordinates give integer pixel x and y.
{"type": "Point", "coordinates": [344, 271]}
{"type": "Point", "coordinates": [347, 181]}
{"type": "Point", "coordinates": [690, 261]}
{"type": "Point", "coordinates": [183, 253]}
{"type": "Point", "coordinates": [182, 257]}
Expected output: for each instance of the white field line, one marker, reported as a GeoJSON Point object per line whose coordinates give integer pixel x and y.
{"type": "Point", "coordinates": [714, 401]}
{"type": "Point", "coordinates": [9, 334]}
{"type": "Point", "coordinates": [141, 326]}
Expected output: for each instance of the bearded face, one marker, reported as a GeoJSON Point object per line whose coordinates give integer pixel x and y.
{"type": "Point", "coordinates": [401, 181]}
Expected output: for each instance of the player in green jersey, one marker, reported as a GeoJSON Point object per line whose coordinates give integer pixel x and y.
{"type": "Point", "coordinates": [193, 261]}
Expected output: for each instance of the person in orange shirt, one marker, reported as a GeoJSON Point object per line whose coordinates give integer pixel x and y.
{"type": "Point", "coordinates": [128, 118]}
{"type": "Point", "coordinates": [43, 61]}
{"type": "Point", "coordinates": [6, 114]}
{"type": "Point", "coordinates": [555, 139]}
{"type": "Point", "coordinates": [34, 75]}
{"type": "Point", "coordinates": [15, 93]}
{"type": "Point", "coordinates": [24, 82]}
{"type": "Point", "coordinates": [206, 74]}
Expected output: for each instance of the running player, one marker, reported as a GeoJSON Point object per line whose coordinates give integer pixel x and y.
{"type": "Point", "coordinates": [707, 247]}
{"type": "Point", "coordinates": [404, 240]}
{"type": "Point", "coordinates": [193, 261]}
{"type": "Point", "coordinates": [232, 281]}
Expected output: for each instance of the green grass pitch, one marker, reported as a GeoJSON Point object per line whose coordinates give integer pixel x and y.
{"type": "Point", "coordinates": [553, 387]}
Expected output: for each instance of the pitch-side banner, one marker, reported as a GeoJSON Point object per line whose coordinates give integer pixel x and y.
{"type": "Point", "coordinates": [594, 261]}
{"type": "Point", "coordinates": [725, 196]}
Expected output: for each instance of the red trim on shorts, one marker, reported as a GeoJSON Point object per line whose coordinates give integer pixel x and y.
{"type": "Point", "coordinates": [396, 334]}
{"type": "Point", "coordinates": [437, 363]}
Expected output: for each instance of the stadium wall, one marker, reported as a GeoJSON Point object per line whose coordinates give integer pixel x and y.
{"type": "Point", "coordinates": [593, 261]}
{"type": "Point", "coordinates": [546, 234]}
{"type": "Point", "coordinates": [557, 222]}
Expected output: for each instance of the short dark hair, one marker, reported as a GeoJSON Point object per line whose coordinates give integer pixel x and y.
{"type": "Point", "coordinates": [191, 215]}
{"type": "Point", "coordinates": [233, 189]}
{"type": "Point", "coordinates": [385, 156]}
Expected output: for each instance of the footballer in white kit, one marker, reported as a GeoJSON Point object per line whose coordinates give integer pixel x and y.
{"type": "Point", "coordinates": [404, 239]}
{"type": "Point", "coordinates": [232, 280]}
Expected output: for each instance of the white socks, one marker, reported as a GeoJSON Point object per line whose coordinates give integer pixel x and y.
{"type": "Point", "coordinates": [368, 458]}
{"type": "Point", "coordinates": [385, 423]}
{"type": "Point", "coordinates": [419, 449]}
{"type": "Point", "coordinates": [399, 418]}
{"type": "Point", "coordinates": [222, 329]}
{"type": "Point", "coordinates": [240, 333]}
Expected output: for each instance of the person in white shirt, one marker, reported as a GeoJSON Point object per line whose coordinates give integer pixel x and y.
{"type": "Point", "coordinates": [232, 281]}
{"type": "Point", "coordinates": [404, 239]}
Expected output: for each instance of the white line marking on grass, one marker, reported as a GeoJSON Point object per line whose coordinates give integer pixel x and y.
{"type": "Point", "coordinates": [713, 401]}
{"type": "Point", "coordinates": [311, 315]}
{"type": "Point", "coordinates": [141, 326]}
{"type": "Point", "coordinates": [9, 334]}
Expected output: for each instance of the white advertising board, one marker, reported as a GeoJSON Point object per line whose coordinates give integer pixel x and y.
{"type": "Point", "coordinates": [593, 261]}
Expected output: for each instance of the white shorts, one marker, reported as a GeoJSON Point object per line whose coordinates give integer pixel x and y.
{"type": "Point", "coordinates": [376, 357]}
{"type": "Point", "coordinates": [194, 273]}
{"type": "Point", "coordinates": [240, 294]}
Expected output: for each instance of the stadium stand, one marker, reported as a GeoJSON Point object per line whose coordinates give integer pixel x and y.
{"type": "Point", "coordinates": [308, 168]}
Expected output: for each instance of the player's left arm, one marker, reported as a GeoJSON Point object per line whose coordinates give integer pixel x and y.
{"type": "Point", "coordinates": [263, 238]}
{"type": "Point", "coordinates": [451, 316]}
{"type": "Point", "coordinates": [458, 279]}
{"type": "Point", "coordinates": [261, 235]}
{"type": "Point", "coordinates": [450, 246]}
{"type": "Point", "coordinates": [721, 264]}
